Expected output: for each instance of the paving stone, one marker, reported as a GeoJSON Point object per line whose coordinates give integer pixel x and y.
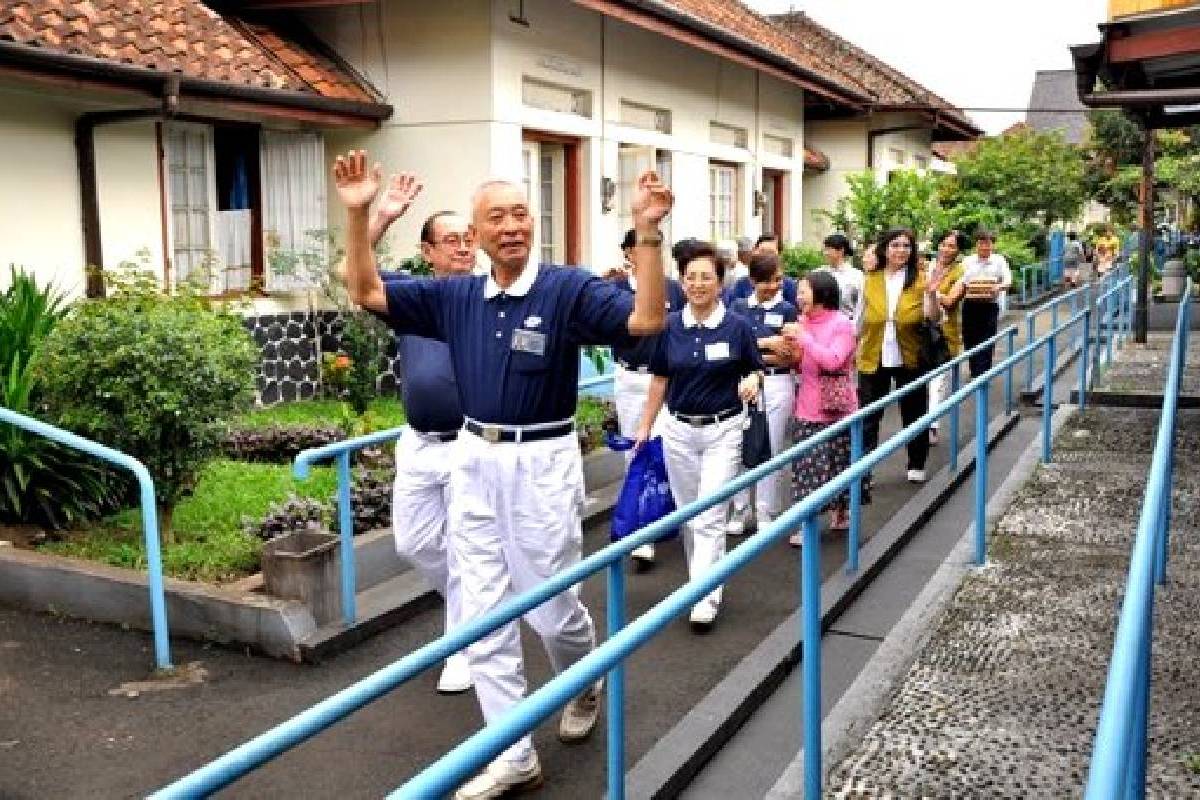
{"type": "Point", "coordinates": [1003, 700]}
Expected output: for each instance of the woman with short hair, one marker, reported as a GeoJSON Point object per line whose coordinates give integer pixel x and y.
{"type": "Point", "coordinates": [946, 275]}
{"type": "Point", "coordinates": [987, 276]}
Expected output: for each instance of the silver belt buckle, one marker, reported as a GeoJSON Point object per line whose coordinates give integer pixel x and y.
{"type": "Point", "coordinates": [490, 433]}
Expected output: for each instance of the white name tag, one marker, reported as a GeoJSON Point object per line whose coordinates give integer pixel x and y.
{"type": "Point", "coordinates": [773, 320]}
{"type": "Point", "coordinates": [717, 351]}
{"type": "Point", "coordinates": [529, 342]}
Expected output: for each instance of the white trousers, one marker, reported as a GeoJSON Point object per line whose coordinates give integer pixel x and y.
{"type": "Point", "coordinates": [420, 502]}
{"type": "Point", "coordinates": [771, 493]}
{"type": "Point", "coordinates": [700, 460]}
{"type": "Point", "coordinates": [515, 520]}
{"type": "Point", "coordinates": [939, 388]}
{"type": "Point", "coordinates": [630, 390]}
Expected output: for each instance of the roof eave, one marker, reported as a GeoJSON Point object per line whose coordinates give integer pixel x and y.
{"type": "Point", "coordinates": [153, 81]}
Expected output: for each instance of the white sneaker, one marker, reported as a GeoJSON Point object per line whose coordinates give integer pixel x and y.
{"type": "Point", "coordinates": [738, 522]}
{"type": "Point", "coordinates": [643, 557]}
{"type": "Point", "coordinates": [703, 615]}
{"type": "Point", "coordinates": [916, 476]}
{"type": "Point", "coordinates": [456, 675]}
{"type": "Point", "coordinates": [763, 520]}
{"type": "Point", "coordinates": [503, 779]}
{"type": "Point", "coordinates": [579, 715]}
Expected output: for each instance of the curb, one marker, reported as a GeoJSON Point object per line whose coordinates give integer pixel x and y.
{"type": "Point", "coordinates": [865, 699]}
{"type": "Point", "coordinates": [668, 767]}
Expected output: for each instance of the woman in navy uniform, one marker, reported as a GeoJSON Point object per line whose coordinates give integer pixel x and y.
{"type": "Point", "coordinates": [706, 366]}
{"type": "Point", "coordinates": [767, 312]}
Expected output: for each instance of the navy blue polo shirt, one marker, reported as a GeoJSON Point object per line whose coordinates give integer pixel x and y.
{"type": "Point", "coordinates": [427, 384]}
{"type": "Point", "coordinates": [515, 353]}
{"type": "Point", "coordinates": [705, 364]}
{"type": "Point", "coordinates": [765, 321]}
{"type": "Point", "coordinates": [637, 351]}
{"type": "Point", "coordinates": [743, 287]}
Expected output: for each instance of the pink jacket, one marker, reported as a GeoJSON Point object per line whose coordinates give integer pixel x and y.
{"type": "Point", "coordinates": [829, 340]}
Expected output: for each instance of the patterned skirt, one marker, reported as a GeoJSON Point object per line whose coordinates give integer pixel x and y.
{"type": "Point", "coordinates": [821, 464]}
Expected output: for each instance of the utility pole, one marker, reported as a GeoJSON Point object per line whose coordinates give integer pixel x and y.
{"type": "Point", "coordinates": [1146, 240]}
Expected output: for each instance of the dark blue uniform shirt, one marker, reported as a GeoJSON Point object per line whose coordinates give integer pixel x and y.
{"type": "Point", "coordinates": [515, 353]}
{"type": "Point", "coordinates": [744, 287]}
{"type": "Point", "coordinates": [705, 364]}
{"type": "Point", "coordinates": [765, 321]}
{"type": "Point", "coordinates": [636, 351]}
{"type": "Point", "coordinates": [427, 384]}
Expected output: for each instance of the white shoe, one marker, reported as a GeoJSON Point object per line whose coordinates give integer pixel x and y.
{"type": "Point", "coordinates": [503, 779]}
{"type": "Point", "coordinates": [738, 522]}
{"type": "Point", "coordinates": [643, 557]}
{"type": "Point", "coordinates": [579, 715]}
{"type": "Point", "coordinates": [703, 615]}
{"type": "Point", "coordinates": [456, 675]}
{"type": "Point", "coordinates": [916, 476]}
{"type": "Point", "coordinates": [763, 520]}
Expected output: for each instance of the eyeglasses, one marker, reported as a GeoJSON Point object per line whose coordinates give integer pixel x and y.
{"type": "Point", "coordinates": [456, 241]}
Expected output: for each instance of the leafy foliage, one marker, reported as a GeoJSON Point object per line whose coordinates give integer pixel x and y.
{"type": "Point", "coordinates": [278, 444]}
{"type": "Point", "coordinates": [364, 337]}
{"type": "Point", "coordinates": [41, 481]}
{"type": "Point", "coordinates": [908, 200]}
{"type": "Point", "coordinates": [800, 259]}
{"type": "Point", "coordinates": [151, 375]}
{"type": "Point", "coordinates": [1021, 177]}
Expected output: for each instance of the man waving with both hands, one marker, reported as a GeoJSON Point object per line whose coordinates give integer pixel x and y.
{"type": "Point", "coordinates": [516, 486]}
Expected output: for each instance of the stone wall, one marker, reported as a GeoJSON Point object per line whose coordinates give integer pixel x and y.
{"type": "Point", "coordinates": [290, 369]}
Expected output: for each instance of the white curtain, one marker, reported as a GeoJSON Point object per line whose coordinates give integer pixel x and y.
{"type": "Point", "coordinates": [293, 188]}
{"type": "Point", "coordinates": [233, 247]}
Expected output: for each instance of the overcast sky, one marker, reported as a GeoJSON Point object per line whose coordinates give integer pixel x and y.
{"type": "Point", "coordinates": [978, 53]}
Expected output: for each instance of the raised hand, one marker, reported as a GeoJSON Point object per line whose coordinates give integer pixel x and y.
{"type": "Point", "coordinates": [652, 200]}
{"type": "Point", "coordinates": [356, 185]}
{"type": "Point", "coordinates": [401, 190]}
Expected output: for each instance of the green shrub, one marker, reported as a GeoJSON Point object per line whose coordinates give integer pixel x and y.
{"type": "Point", "coordinates": [154, 376]}
{"type": "Point", "coordinates": [1015, 249]}
{"type": "Point", "coordinates": [800, 259]}
{"type": "Point", "coordinates": [41, 481]}
{"type": "Point", "coordinates": [363, 338]}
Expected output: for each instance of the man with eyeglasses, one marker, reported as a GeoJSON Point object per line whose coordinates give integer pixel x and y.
{"type": "Point", "coordinates": [420, 496]}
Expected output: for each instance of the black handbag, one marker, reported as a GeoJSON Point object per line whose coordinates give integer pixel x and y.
{"type": "Point", "coordinates": [756, 441]}
{"type": "Point", "coordinates": [934, 350]}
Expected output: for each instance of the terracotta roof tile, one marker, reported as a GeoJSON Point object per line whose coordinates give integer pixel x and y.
{"type": "Point", "coordinates": [183, 36]}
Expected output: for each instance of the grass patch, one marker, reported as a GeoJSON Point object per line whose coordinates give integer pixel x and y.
{"type": "Point", "coordinates": [209, 542]}
{"type": "Point", "coordinates": [385, 412]}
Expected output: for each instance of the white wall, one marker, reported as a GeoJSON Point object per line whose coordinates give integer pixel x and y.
{"type": "Point", "coordinates": [40, 222]}
{"type": "Point", "coordinates": [130, 196]}
{"type": "Point", "coordinates": [844, 142]}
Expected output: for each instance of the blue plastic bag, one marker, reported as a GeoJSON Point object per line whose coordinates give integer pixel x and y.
{"type": "Point", "coordinates": [646, 494]}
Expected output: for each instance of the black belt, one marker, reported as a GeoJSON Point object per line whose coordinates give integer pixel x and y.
{"type": "Point", "coordinates": [707, 419]}
{"type": "Point", "coordinates": [437, 436]}
{"type": "Point", "coordinates": [518, 433]}
{"type": "Point", "coordinates": [643, 369]}
{"type": "Point", "coordinates": [777, 370]}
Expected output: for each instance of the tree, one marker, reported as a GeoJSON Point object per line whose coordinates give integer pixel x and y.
{"type": "Point", "coordinates": [1018, 178]}
{"type": "Point", "coordinates": [907, 200]}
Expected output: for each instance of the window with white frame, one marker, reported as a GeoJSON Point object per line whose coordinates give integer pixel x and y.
{"type": "Point", "coordinates": [722, 199]}
{"type": "Point", "coordinates": [189, 156]}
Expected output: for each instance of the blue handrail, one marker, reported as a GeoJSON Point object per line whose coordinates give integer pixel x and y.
{"type": "Point", "coordinates": [158, 605]}
{"type": "Point", "coordinates": [1118, 767]}
{"type": "Point", "coordinates": [253, 753]}
{"type": "Point", "coordinates": [250, 755]}
{"type": "Point", "coordinates": [470, 756]}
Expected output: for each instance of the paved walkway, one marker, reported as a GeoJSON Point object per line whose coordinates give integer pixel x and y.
{"type": "Point", "coordinates": [1003, 698]}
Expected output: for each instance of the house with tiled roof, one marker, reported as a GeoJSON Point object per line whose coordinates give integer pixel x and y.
{"type": "Point", "coordinates": [199, 134]}
{"type": "Point", "coordinates": [902, 125]}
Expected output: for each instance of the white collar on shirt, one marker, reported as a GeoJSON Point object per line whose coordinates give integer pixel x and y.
{"type": "Point", "coordinates": [519, 288]}
{"type": "Point", "coordinates": [752, 301]}
{"type": "Point", "coordinates": [714, 319]}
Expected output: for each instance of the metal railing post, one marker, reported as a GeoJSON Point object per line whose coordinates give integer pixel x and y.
{"type": "Point", "coordinates": [810, 590]}
{"type": "Point", "coordinates": [981, 472]}
{"type": "Point", "coordinates": [616, 685]}
{"type": "Point", "coordinates": [954, 386]}
{"type": "Point", "coordinates": [1100, 301]}
{"type": "Point", "coordinates": [1008, 374]}
{"type": "Point", "coordinates": [1048, 400]}
{"type": "Point", "coordinates": [856, 452]}
{"type": "Point", "coordinates": [1083, 360]}
{"type": "Point", "coordinates": [1110, 325]}
{"type": "Point", "coordinates": [1029, 334]}
{"type": "Point", "coordinates": [346, 535]}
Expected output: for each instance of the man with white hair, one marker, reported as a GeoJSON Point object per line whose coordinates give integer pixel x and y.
{"type": "Point", "coordinates": [517, 485]}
